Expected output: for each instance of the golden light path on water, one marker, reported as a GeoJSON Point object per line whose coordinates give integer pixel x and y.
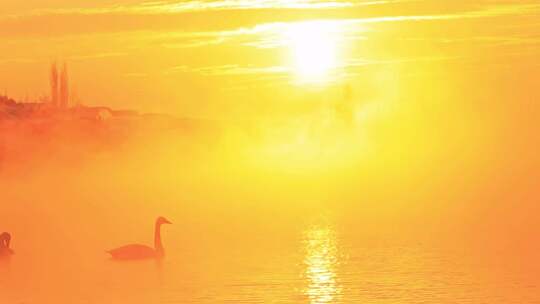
{"type": "Point", "coordinates": [320, 261]}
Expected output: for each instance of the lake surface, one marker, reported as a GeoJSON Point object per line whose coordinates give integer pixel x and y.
{"type": "Point", "coordinates": [245, 235]}
{"type": "Point", "coordinates": [319, 264]}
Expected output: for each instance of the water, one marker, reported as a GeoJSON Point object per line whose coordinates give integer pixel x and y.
{"type": "Point", "coordinates": [319, 265]}
{"type": "Point", "coordinates": [241, 235]}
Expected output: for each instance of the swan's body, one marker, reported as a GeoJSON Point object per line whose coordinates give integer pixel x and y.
{"type": "Point", "coordinates": [137, 251]}
{"type": "Point", "coordinates": [133, 251]}
{"type": "Point", "coordinates": [5, 239]}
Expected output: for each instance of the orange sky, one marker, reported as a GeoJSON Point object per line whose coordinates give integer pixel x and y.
{"type": "Point", "coordinates": [228, 58]}
{"type": "Point", "coordinates": [445, 89]}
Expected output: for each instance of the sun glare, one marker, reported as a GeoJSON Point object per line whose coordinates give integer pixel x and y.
{"type": "Point", "coordinates": [314, 49]}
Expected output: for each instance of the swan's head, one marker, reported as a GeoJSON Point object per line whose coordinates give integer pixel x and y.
{"type": "Point", "coordinates": [5, 239]}
{"type": "Point", "coordinates": [161, 220]}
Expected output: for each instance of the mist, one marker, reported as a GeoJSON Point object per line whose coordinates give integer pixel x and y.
{"type": "Point", "coordinates": [433, 172]}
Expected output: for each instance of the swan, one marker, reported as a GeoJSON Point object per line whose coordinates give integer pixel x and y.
{"type": "Point", "coordinates": [5, 239]}
{"type": "Point", "coordinates": [137, 251]}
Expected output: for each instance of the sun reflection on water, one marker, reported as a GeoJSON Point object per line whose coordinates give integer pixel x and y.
{"type": "Point", "coordinates": [321, 260]}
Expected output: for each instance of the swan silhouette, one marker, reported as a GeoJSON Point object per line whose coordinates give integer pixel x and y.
{"type": "Point", "coordinates": [137, 251]}
{"type": "Point", "coordinates": [5, 239]}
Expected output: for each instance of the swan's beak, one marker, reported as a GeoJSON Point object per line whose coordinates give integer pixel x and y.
{"type": "Point", "coordinates": [167, 222]}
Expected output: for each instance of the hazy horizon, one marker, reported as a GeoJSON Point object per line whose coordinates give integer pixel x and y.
{"type": "Point", "coordinates": [212, 58]}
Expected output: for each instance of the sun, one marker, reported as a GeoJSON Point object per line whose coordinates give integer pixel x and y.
{"type": "Point", "coordinates": [313, 49]}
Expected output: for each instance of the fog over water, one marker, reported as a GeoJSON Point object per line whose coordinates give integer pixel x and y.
{"type": "Point", "coordinates": [312, 217]}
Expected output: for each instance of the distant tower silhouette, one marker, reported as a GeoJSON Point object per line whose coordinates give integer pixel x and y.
{"type": "Point", "coordinates": [345, 107]}
{"type": "Point", "coordinates": [64, 90]}
{"type": "Point", "coordinates": [54, 84]}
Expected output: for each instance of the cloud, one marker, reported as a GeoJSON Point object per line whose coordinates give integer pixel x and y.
{"type": "Point", "coordinates": [95, 56]}
{"type": "Point", "coordinates": [17, 60]}
{"type": "Point", "coordinates": [135, 75]}
{"type": "Point", "coordinates": [187, 6]}
{"type": "Point", "coordinates": [173, 7]}
{"type": "Point", "coordinates": [226, 15]}
{"type": "Point", "coordinates": [230, 69]}
{"type": "Point", "coordinates": [255, 24]}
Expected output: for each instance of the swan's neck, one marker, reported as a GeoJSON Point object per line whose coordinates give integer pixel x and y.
{"type": "Point", "coordinates": [157, 240]}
